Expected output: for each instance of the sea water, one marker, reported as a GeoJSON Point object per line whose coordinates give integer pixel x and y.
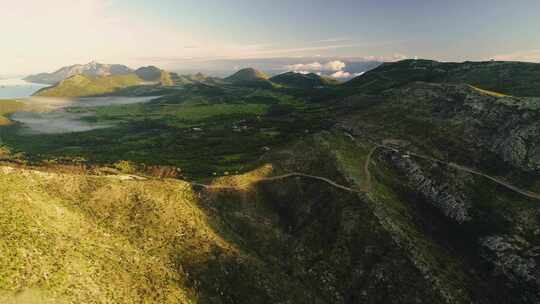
{"type": "Point", "coordinates": [18, 88]}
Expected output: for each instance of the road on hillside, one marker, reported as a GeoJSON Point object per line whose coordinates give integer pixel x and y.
{"type": "Point", "coordinates": [497, 180]}
{"type": "Point", "coordinates": [278, 177]}
{"type": "Point", "coordinates": [367, 183]}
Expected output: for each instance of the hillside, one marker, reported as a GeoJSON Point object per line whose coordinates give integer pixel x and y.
{"type": "Point", "coordinates": [154, 74]}
{"type": "Point", "coordinates": [305, 81]}
{"type": "Point", "coordinates": [247, 74]}
{"type": "Point", "coordinates": [512, 78]}
{"type": "Point", "coordinates": [197, 78]}
{"type": "Point", "coordinates": [248, 238]}
{"type": "Point", "coordinates": [82, 85]}
{"type": "Point", "coordinates": [8, 107]}
{"type": "Point", "coordinates": [91, 69]}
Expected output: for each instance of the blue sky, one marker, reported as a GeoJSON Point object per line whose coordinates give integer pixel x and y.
{"type": "Point", "coordinates": [44, 35]}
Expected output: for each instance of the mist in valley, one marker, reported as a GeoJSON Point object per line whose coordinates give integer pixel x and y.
{"type": "Point", "coordinates": [51, 115]}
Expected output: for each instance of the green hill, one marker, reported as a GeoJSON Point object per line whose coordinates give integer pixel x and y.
{"type": "Point", "coordinates": [305, 81]}
{"type": "Point", "coordinates": [512, 78]}
{"type": "Point", "coordinates": [82, 85]}
{"type": "Point", "coordinates": [247, 74]}
{"type": "Point", "coordinates": [250, 77]}
{"type": "Point", "coordinates": [154, 74]}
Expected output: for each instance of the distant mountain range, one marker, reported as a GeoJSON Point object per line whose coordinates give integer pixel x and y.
{"type": "Point", "coordinates": [90, 69]}
{"type": "Point", "coordinates": [97, 79]}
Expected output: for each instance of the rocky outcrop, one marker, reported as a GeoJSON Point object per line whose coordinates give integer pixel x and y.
{"type": "Point", "coordinates": [515, 259]}
{"type": "Point", "coordinates": [452, 204]}
{"type": "Point", "coordinates": [507, 126]}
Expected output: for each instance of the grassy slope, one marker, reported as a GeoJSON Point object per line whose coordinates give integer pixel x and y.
{"type": "Point", "coordinates": [52, 247]}
{"type": "Point", "coordinates": [8, 107]}
{"type": "Point", "coordinates": [85, 239]}
{"type": "Point", "coordinates": [82, 85]}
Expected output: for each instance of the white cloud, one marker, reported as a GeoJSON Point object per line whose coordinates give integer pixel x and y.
{"type": "Point", "coordinates": [531, 56]}
{"type": "Point", "coordinates": [343, 74]}
{"type": "Point", "coordinates": [314, 66]}
{"type": "Point", "coordinates": [335, 65]}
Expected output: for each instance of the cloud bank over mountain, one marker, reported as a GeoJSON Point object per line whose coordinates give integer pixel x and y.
{"type": "Point", "coordinates": [336, 68]}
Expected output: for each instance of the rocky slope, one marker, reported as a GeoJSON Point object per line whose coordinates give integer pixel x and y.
{"type": "Point", "coordinates": [455, 122]}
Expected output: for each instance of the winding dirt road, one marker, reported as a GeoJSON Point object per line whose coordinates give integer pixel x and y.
{"type": "Point", "coordinates": [279, 177]}
{"type": "Point", "coordinates": [499, 181]}
{"type": "Point", "coordinates": [367, 184]}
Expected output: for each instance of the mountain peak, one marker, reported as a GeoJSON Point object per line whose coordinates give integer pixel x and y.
{"type": "Point", "coordinates": [247, 74]}
{"type": "Point", "coordinates": [92, 68]}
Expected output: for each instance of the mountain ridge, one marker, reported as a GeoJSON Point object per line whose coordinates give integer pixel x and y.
{"type": "Point", "coordinates": [92, 68]}
{"type": "Point", "coordinates": [508, 77]}
{"type": "Point", "coordinates": [301, 80]}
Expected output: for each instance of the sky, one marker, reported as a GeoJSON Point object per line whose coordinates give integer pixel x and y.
{"type": "Point", "coordinates": [40, 36]}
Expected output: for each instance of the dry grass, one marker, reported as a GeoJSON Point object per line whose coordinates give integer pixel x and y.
{"type": "Point", "coordinates": [244, 181]}
{"type": "Point", "coordinates": [82, 239]}
{"type": "Point", "coordinates": [490, 93]}
{"type": "Point", "coordinates": [8, 107]}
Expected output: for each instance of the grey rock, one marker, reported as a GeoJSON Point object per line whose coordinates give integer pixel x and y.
{"type": "Point", "coordinates": [454, 205]}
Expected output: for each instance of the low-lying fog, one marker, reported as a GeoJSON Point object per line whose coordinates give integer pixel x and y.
{"type": "Point", "coordinates": [49, 115]}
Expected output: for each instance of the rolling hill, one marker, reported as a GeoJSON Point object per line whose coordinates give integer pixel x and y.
{"type": "Point", "coordinates": [83, 85]}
